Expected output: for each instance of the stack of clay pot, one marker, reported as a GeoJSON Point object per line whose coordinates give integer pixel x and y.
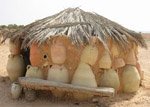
{"type": "Point", "coordinates": [58, 72]}
{"type": "Point", "coordinates": [15, 67]}
{"type": "Point", "coordinates": [131, 73]}
{"type": "Point", "coordinates": [121, 69]}
{"type": "Point", "coordinates": [125, 65]}
{"type": "Point", "coordinates": [15, 64]}
{"type": "Point", "coordinates": [84, 75]}
{"type": "Point", "coordinates": [110, 77]}
{"type": "Point", "coordinates": [81, 66]}
{"type": "Point", "coordinates": [49, 58]}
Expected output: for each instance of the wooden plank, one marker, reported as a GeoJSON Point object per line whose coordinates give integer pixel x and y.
{"type": "Point", "coordinates": [39, 84]}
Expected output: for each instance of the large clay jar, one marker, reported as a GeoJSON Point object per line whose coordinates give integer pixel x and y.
{"type": "Point", "coordinates": [14, 47]}
{"type": "Point", "coordinates": [110, 79]}
{"type": "Point", "coordinates": [16, 90]}
{"type": "Point", "coordinates": [39, 54]}
{"type": "Point", "coordinates": [35, 55]}
{"type": "Point", "coordinates": [58, 52]}
{"type": "Point", "coordinates": [130, 79]}
{"type": "Point", "coordinates": [89, 55]}
{"type": "Point", "coordinates": [15, 67]}
{"type": "Point", "coordinates": [84, 76]}
{"type": "Point", "coordinates": [58, 73]}
{"type": "Point", "coordinates": [34, 72]}
{"type": "Point", "coordinates": [105, 62]}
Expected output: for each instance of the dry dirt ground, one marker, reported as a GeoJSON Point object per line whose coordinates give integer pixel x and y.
{"type": "Point", "coordinates": [139, 99]}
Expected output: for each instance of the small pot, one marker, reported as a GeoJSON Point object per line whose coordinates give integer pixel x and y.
{"type": "Point", "coordinates": [16, 90]}
{"type": "Point", "coordinates": [34, 72]}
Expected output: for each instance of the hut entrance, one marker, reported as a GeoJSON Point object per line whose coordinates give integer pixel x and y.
{"type": "Point", "coordinates": [26, 56]}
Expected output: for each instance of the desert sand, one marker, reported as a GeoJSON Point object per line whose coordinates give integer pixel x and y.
{"type": "Point", "coordinates": [138, 99]}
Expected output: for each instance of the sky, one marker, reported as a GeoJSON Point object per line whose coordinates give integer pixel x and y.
{"type": "Point", "coordinates": [133, 14]}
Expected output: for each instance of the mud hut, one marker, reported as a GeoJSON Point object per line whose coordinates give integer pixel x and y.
{"type": "Point", "coordinates": [81, 48]}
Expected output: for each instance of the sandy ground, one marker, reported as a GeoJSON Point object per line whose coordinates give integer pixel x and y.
{"type": "Point", "coordinates": [139, 99]}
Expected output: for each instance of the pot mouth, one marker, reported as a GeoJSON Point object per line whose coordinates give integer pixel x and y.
{"type": "Point", "coordinates": [17, 83]}
{"type": "Point", "coordinates": [45, 56]}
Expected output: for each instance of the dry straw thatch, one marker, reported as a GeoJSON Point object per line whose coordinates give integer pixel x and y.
{"type": "Point", "coordinates": [78, 26]}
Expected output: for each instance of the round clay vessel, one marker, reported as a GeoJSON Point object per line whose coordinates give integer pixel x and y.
{"type": "Point", "coordinates": [16, 90]}
{"type": "Point", "coordinates": [15, 67]}
{"type": "Point", "coordinates": [34, 72]}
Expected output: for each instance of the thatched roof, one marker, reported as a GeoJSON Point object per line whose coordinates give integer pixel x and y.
{"type": "Point", "coordinates": [78, 26]}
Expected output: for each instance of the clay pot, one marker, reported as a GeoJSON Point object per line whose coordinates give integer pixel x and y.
{"type": "Point", "coordinates": [118, 63]}
{"type": "Point", "coordinates": [14, 47]}
{"type": "Point", "coordinates": [83, 76]}
{"type": "Point", "coordinates": [130, 79]}
{"type": "Point", "coordinates": [89, 55]}
{"type": "Point", "coordinates": [130, 58]}
{"type": "Point", "coordinates": [34, 72]}
{"type": "Point", "coordinates": [15, 67]}
{"type": "Point", "coordinates": [58, 73]}
{"type": "Point", "coordinates": [105, 61]}
{"type": "Point", "coordinates": [110, 79]}
{"type": "Point", "coordinates": [114, 49]}
{"type": "Point", "coordinates": [35, 55]}
{"type": "Point", "coordinates": [39, 55]}
{"type": "Point", "coordinates": [58, 52]}
{"type": "Point", "coordinates": [16, 90]}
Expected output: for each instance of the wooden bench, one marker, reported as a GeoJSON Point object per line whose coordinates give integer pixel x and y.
{"type": "Point", "coordinates": [39, 84]}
